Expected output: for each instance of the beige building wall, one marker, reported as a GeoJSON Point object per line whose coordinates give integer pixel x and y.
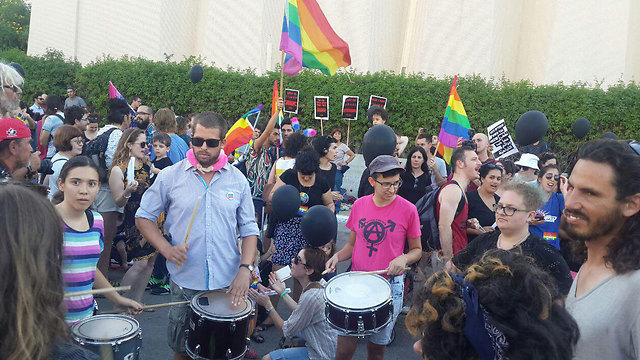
{"type": "Point", "coordinates": [545, 41]}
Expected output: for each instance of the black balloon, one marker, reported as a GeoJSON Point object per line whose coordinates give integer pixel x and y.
{"type": "Point", "coordinates": [196, 73]}
{"type": "Point", "coordinates": [18, 68]}
{"type": "Point", "coordinates": [285, 203]}
{"type": "Point", "coordinates": [378, 140]}
{"type": "Point", "coordinates": [580, 128]}
{"type": "Point", "coordinates": [319, 225]}
{"type": "Point", "coordinates": [531, 127]}
{"type": "Point", "coordinates": [610, 135]}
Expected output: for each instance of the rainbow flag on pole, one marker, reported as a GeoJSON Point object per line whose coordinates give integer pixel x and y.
{"type": "Point", "coordinates": [454, 125]}
{"type": "Point", "coordinates": [309, 40]}
{"type": "Point", "coordinates": [241, 132]}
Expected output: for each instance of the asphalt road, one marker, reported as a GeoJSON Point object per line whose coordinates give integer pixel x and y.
{"type": "Point", "coordinates": [154, 324]}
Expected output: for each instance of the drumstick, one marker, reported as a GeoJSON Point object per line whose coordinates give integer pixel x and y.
{"type": "Point", "coordinates": [97, 291]}
{"type": "Point", "coordinates": [193, 216]}
{"type": "Point", "coordinates": [376, 272]}
{"type": "Point", "coordinates": [148, 307]}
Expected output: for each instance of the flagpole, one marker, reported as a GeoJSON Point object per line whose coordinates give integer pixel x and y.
{"type": "Point", "coordinates": [321, 128]}
{"type": "Point", "coordinates": [282, 72]}
{"type": "Point", "coordinates": [348, 130]}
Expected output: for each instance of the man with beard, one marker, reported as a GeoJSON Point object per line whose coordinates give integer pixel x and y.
{"type": "Point", "coordinates": [144, 121]}
{"type": "Point", "coordinates": [452, 207]}
{"type": "Point", "coordinates": [217, 198]}
{"type": "Point", "coordinates": [601, 214]}
{"type": "Point", "coordinates": [10, 93]}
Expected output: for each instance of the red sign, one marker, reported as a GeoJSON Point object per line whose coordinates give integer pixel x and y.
{"type": "Point", "coordinates": [321, 107]}
{"type": "Point", "coordinates": [377, 100]}
{"type": "Point", "coordinates": [350, 107]}
{"type": "Point", "coordinates": [291, 98]}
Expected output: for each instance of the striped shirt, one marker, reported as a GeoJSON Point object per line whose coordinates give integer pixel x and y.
{"type": "Point", "coordinates": [81, 250]}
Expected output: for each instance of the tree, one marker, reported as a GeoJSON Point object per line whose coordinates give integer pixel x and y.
{"type": "Point", "coordinates": [14, 24]}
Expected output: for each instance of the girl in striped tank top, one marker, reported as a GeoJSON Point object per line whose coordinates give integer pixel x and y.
{"type": "Point", "coordinates": [83, 239]}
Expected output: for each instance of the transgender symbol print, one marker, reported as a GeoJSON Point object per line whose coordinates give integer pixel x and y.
{"type": "Point", "coordinates": [375, 232]}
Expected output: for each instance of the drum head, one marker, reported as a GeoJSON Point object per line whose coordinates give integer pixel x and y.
{"type": "Point", "coordinates": [357, 292]}
{"type": "Point", "coordinates": [217, 304]}
{"type": "Point", "coordinates": [105, 327]}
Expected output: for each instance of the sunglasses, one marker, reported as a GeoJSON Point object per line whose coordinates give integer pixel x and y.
{"type": "Point", "coordinates": [297, 260]}
{"type": "Point", "coordinates": [198, 141]}
{"type": "Point", "coordinates": [142, 144]}
{"type": "Point", "coordinates": [551, 176]}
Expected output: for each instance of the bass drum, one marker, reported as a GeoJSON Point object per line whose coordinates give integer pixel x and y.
{"type": "Point", "coordinates": [216, 329]}
{"type": "Point", "coordinates": [358, 305]}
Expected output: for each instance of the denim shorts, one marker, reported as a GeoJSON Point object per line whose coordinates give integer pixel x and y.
{"type": "Point", "coordinates": [383, 337]}
{"type": "Point", "coordinates": [294, 353]}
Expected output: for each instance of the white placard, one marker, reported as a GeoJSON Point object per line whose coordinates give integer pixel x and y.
{"type": "Point", "coordinates": [501, 140]}
{"type": "Point", "coordinates": [284, 273]}
{"type": "Point", "coordinates": [131, 170]}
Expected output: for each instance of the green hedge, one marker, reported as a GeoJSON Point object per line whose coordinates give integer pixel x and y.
{"type": "Point", "coordinates": [413, 101]}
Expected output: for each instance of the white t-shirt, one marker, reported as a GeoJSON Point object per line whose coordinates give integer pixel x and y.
{"type": "Point", "coordinates": [112, 145]}
{"type": "Point", "coordinates": [58, 161]}
{"type": "Point", "coordinates": [341, 152]}
{"type": "Point", "coordinates": [441, 166]}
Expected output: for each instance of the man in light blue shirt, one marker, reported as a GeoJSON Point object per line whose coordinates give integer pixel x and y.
{"type": "Point", "coordinates": [220, 196]}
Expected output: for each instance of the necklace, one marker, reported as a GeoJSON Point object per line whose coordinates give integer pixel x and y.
{"type": "Point", "coordinates": [514, 245]}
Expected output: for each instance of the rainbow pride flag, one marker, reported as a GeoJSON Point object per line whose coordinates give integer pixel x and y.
{"type": "Point", "coordinates": [309, 40]}
{"type": "Point", "coordinates": [454, 125]}
{"type": "Point", "coordinates": [241, 132]}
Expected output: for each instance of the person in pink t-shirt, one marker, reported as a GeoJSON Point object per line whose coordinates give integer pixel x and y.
{"type": "Point", "coordinates": [381, 224]}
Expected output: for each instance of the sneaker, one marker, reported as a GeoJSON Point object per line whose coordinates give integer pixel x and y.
{"type": "Point", "coordinates": [153, 283]}
{"type": "Point", "coordinates": [160, 290]}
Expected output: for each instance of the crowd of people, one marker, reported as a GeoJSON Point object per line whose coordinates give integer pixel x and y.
{"type": "Point", "coordinates": [533, 259]}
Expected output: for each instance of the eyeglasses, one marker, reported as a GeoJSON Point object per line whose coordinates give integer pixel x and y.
{"type": "Point", "coordinates": [142, 113]}
{"type": "Point", "coordinates": [12, 87]}
{"type": "Point", "coordinates": [297, 260]}
{"type": "Point", "coordinates": [635, 146]}
{"type": "Point", "coordinates": [388, 185]}
{"type": "Point", "coordinates": [506, 210]}
{"type": "Point", "coordinates": [77, 141]}
{"type": "Point", "coordinates": [550, 176]}
{"type": "Point", "coordinates": [198, 141]}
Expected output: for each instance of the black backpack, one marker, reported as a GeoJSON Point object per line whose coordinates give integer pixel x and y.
{"type": "Point", "coordinates": [428, 217]}
{"type": "Point", "coordinates": [96, 149]}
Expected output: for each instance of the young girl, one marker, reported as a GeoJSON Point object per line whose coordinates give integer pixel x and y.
{"type": "Point", "coordinates": [83, 235]}
{"type": "Point", "coordinates": [133, 143]}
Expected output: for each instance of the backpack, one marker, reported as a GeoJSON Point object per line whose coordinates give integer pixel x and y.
{"type": "Point", "coordinates": [96, 149]}
{"type": "Point", "coordinates": [427, 213]}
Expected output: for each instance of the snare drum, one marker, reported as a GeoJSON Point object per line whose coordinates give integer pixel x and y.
{"type": "Point", "coordinates": [358, 305]}
{"type": "Point", "coordinates": [118, 335]}
{"type": "Point", "coordinates": [215, 328]}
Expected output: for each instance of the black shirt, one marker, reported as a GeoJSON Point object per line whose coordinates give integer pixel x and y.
{"type": "Point", "coordinates": [365, 188]}
{"type": "Point", "coordinates": [544, 255]}
{"type": "Point", "coordinates": [314, 192]}
{"type": "Point", "coordinates": [329, 176]}
{"type": "Point", "coordinates": [162, 163]}
{"type": "Point", "coordinates": [479, 210]}
{"type": "Point", "coordinates": [5, 174]}
{"type": "Point", "coordinates": [414, 188]}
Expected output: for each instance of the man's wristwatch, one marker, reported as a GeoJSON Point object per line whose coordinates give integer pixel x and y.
{"type": "Point", "coordinates": [248, 266]}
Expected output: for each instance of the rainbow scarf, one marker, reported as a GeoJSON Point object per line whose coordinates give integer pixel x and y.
{"type": "Point", "coordinates": [309, 40]}
{"type": "Point", "coordinates": [242, 131]}
{"type": "Point", "coordinates": [454, 125]}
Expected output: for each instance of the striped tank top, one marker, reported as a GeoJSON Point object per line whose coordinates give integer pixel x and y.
{"type": "Point", "coordinates": [81, 250]}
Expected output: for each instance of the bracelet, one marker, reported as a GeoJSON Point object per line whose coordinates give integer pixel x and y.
{"type": "Point", "coordinates": [285, 292]}
{"type": "Point", "coordinates": [126, 197]}
{"type": "Point", "coordinates": [269, 310]}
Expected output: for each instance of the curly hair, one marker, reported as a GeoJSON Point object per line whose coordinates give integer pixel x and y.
{"type": "Point", "coordinates": [293, 144]}
{"type": "Point", "coordinates": [307, 161]}
{"type": "Point", "coordinates": [519, 298]}
{"type": "Point", "coordinates": [321, 144]}
{"type": "Point", "coordinates": [624, 249]}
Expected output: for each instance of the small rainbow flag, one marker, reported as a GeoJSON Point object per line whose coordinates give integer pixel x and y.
{"type": "Point", "coordinates": [241, 132]}
{"type": "Point", "coordinates": [454, 125]}
{"type": "Point", "coordinates": [309, 40]}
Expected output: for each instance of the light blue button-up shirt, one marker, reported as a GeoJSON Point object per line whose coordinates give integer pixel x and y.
{"type": "Point", "coordinates": [225, 211]}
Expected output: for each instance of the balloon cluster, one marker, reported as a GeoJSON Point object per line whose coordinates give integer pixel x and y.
{"type": "Point", "coordinates": [295, 124]}
{"type": "Point", "coordinates": [309, 132]}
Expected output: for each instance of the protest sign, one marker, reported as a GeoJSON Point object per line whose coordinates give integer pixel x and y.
{"type": "Point", "coordinates": [321, 107]}
{"type": "Point", "coordinates": [378, 100]}
{"type": "Point", "coordinates": [501, 140]}
{"type": "Point", "coordinates": [291, 98]}
{"type": "Point", "coordinates": [350, 107]}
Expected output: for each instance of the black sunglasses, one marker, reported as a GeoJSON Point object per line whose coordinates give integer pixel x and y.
{"type": "Point", "coordinates": [550, 176]}
{"type": "Point", "coordinates": [198, 141]}
{"type": "Point", "coordinates": [297, 260]}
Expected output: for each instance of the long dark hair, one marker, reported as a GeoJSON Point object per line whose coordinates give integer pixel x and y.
{"type": "Point", "coordinates": [74, 162]}
{"type": "Point", "coordinates": [519, 298]}
{"type": "Point", "coordinates": [624, 249]}
{"type": "Point", "coordinates": [424, 167]}
{"type": "Point", "coordinates": [30, 264]}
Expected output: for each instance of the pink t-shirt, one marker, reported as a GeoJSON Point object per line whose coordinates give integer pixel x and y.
{"type": "Point", "coordinates": [381, 232]}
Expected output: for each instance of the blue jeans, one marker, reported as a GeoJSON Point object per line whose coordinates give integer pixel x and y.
{"type": "Point", "coordinates": [338, 187]}
{"type": "Point", "coordinates": [294, 353]}
{"type": "Point", "coordinates": [397, 290]}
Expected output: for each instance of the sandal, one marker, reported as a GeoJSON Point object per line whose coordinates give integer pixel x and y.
{"type": "Point", "coordinates": [263, 327]}
{"type": "Point", "coordinates": [257, 337]}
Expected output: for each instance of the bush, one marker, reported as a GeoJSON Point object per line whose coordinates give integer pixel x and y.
{"type": "Point", "coordinates": [413, 101]}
